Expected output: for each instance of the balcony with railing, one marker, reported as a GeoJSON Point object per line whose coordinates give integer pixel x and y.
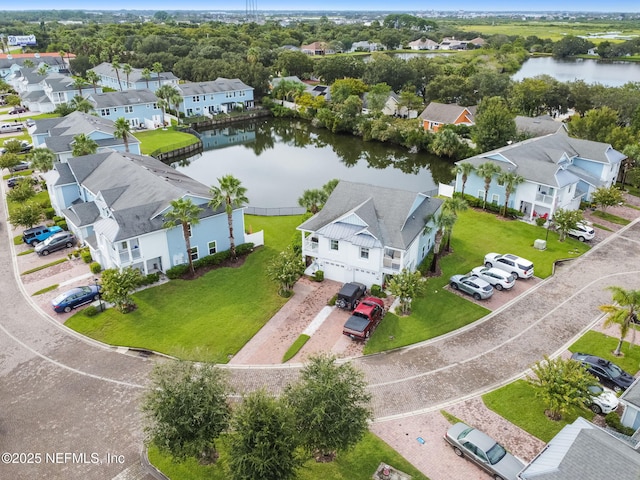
{"type": "Point", "coordinates": [392, 260]}
{"type": "Point", "coordinates": [545, 199]}
{"type": "Point", "coordinates": [310, 246]}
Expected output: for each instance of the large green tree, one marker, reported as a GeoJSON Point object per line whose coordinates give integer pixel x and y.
{"type": "Point", "coordinates": [263, 443]}
{"type": "Point", "coordinates": [605, 197]}
{"type": "Point", "coordinates": [185, 213]}
{"type": "Point", "coordinates": [623, 310]}
{"type": "Point", "coordinates": [406, 286]}
{"type": "Point", "coordinates": [495, 125]}
{"type": "Point", "coordinates": [26, 215]}
{"type": "Point", "coordinates": [42, 159]}
{"type": "Point", "coordinates": [230, 193]}
{"type": "Point", "coordinates": [186, 409]}
{"type": "Point", "coordinates": [119, 285]}
{"type": "Point", "coordinates": [331, 406]}
{"type": "Point", "coordinates": [565, 220]}
{"type": "Point", "coordinates": [285, 269]}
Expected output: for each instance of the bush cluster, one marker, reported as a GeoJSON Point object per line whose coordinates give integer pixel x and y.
{"type": "Point", "coordinates": [91, 311]}
{"type": "Point", "coordinates": [86, 255]}
{"type": "Point", "coordinates": [149, 279]}
{"type": "Point", "coordinates": [476, 202]}
{"type": "Point", "coordinates": [49, 213]}
{"type": "Point", "coordinates": [209, 261]}
{"type": "Point", "coordinates": [318, 276]}
{"type": "Point", "coordinates": [613, 420]}
{"type": "Point", "coordinates": [376, 291]}
{"type": "Point", "coordinates": [95, 267]}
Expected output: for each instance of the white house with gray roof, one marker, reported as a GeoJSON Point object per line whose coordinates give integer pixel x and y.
{"type": "Point", "coordinates": [584, 451]}
{"type": "Point", "coordinates": [559, 172]}
{"type": "Point", "coordinates": [221, 95]}
{"type": "Point", "coordinates": [365, 233]}
{"type": "Point", "coordinates": [138, 107]}
{"type": "Point", "coordinates": [134, 81]}
{"type": "Point", "coordinates": [631, 414]}
{"type": "Point", "coordinates": [115, 203]}
{"type": "Point", "coordinates": [58, 134]}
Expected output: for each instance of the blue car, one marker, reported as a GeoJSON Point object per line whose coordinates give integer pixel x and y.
{"type": "Point", "coordinates": [67, 301]}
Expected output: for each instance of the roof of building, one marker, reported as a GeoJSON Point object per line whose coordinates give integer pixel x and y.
{"type": "Point", "coordinates": [538, 126]}
{"type": "Point", "coordinates": [445, 112]}
{"type": "Point", "coordinates": [387, 217]}
{"type": "Point", "coordinates": [106, 69]}
{"type": "Point", "coordinates": [632, 395]}
{"type": "Point", "coordinates": [220, 84]}
{"type": "Point", "coordinates": [121, 99]}
{"type": "Point", "coordinates": [423, 42]}
{"type": "Point", "coordinates": [583, 451]}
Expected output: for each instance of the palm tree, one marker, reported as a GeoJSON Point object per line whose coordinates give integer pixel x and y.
{"type": "Point", "coordinates": [43, 70]}
{"type": "Point", "coordinates": [78, 83]}
{"type": "Point", "coordinates": [444, 224]}
{"type": "Point", "coordinates": [183, 212]}
{"type": "Point", "coordinates": [487, 171]}
{"type": "Point", "coordinates": [175, 99]}
{"type": "Point", "coordinates": [157, 69]}
{"type": "Point", "coordinates": [115, 64]}
{"type": "Point", "coordinates": [464, 169]}
{"type": "Point", "coordinates": [42, 159]}
{"type": "Point", "coordinates": [83, 145]}
{"type": "Point", "coordinates": [312, 200]}
{"type": "Point", "coordinates": [231, 194]}
{"type": "Point", "coordinates": [510, 180]}
{"type": "Point", "coordinates": [81, 104]}
{"type": "Point", "coordinates": [163, 104]}
{"type": "Point", "coordinates": [28, 63]}
{"type": "Point", "coordinates": [622, 311]}
{"type": "Point", "coordinates": [127, 69]}
{"type": "Point", "coordinates": [166, 93]}
{"type": "Point", "coordinates": [453, 205]}
{"type": "Point", "coordinates": [146, 74]}
{"type": "Point", "coordinates": [122, 130]}
{"type": "Point", "coordinates": [93, 79]}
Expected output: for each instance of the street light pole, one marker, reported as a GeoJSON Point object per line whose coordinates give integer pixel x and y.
{"type": "Point", "coordinates": [99, 296]}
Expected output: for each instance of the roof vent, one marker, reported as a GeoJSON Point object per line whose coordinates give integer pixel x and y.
{"type": "Point", "coordinates": [36, 55]}
{"type": "Point", "coordinates": [9, 57]}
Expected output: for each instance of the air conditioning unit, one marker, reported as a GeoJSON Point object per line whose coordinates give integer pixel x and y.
{"type": "Point", "coordinates": [540, 244]}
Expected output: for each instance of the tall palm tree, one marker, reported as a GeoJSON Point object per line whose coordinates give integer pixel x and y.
{"type": "Point", "coordinates": [175, 99]}
{"type": "Point", "coordinates": [115, 64]}
{"type": "Point", "coordinates": [231, 194]}
{"type": "Point", "coordinates": [625, 306]}
{"type": "Point", "coordinates": [81, 104]}
{"type": "Point", "coordinates": [453, 205]}
{"type": "Point", "coordinates": [312, 200]}
{"type": "Point", "coordinates": [146, 74]}
{"type": "Point", "coordinates": [163, 104]}
{"type": "Point", "coordinates": [510, 180]}
{"type": "Point", "coordinates": [43, 70]}
{"type": "Point", "coordinates": [464, 169]}
{"type": "Point", "coordinates": [444, 223]}
{"type": "Point", "coordinates": [83, 145]}
{"type": "Point", "coordinates": [157, 69]}
{"type": "Point", "coordinates": [42, 159]}
{"type": "Point", "coordinates": [127, 69]}
{"type": "Point", "coordinates": [487, 171]}
{"type": "Point", "coordinates": [185, 213]}
{"type": "Point", "coordinates": [93, 79]}
{"type": "Point", "coordinates": [79, 82]}
{"type": "Point", "coordinates": [28, 63]}
{"type": "Point", "coordinates": [122, 130]}
{"type": "Point", "coordinates": [167, 93]}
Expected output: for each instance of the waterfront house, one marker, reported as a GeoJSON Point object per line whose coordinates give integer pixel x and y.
{"type": "Point", "coordinates": [134, 81]}
{"type": "Point", "coordinates": [221, 95]}
{"type": "Point", "coordinates": [365, 233]}
{"type": "Point", "coordinates": [138, 107]}
{"type": "Point", "coordinates": [438, 114]}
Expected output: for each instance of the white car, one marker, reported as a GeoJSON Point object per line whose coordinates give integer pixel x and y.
{"type": "Point", "coordinates": [498, 279]}
{"type": "Point", "coordinates": [583, 231]}
{"type": "Point", "coordinates": [603, 400]}
{"type": "Point", "coordinates": [517, 266]}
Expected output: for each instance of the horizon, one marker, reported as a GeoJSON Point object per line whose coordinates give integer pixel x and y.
{"type": "Point", "coordinates": [495, 6]}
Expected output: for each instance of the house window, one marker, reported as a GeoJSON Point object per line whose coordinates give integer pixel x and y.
{"type": "Point", "coordinates": [364, 253]}
{"type": "Point", "coordinates": [124, 246]}
{"type": "Point", "coordinates": [495, 198]}
{"type": "Point", "coordinates": [196, 98]}
{"type": "Point", "coordinates": [128, 109]}
{"type": "Point", "coordinates": [104, 112]}
{"type": "Point", "coordinates": [481, 194]}
{"type": "Point", "coordinates": [194, 253]}
{"type": "Point", "coordinates": [334, 245]}
{"type": "Point", "coordinates": [213, 247]}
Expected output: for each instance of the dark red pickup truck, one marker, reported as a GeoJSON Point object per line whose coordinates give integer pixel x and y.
{"type": "Point", "coordinates": [364, 319]}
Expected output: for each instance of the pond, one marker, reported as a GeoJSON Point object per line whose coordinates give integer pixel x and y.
{"type": "Point", "coordinates": [610, 74]}
{"type": "Point", "coordinates": [276, 160]}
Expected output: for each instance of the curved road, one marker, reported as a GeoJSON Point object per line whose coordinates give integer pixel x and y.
{"type": "Point", "coordinates": [69, 407]}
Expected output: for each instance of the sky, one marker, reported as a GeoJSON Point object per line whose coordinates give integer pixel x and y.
{"type": "Point", "coordinates": [368, 5]}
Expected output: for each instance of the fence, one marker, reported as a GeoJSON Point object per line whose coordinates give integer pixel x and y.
{"type": "Point", "coordinates": [274, 212]}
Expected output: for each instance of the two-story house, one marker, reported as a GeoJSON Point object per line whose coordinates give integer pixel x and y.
{"type": "Point", "coordinates": [559, 172]}
{"type": "Point", "coordinates": [221, 95]}
{"type": "Point", "coordinates": [135, 80]}
{"type": "Point", "coordinates": [438, 114]}
{"type": "Point", "coordinates": [116, 204]}
{"type": "Point", "coordinates": [10, 63]}
{"type": "Point", "coordinates": [423, 44]}
{"type": "Point", "coordinates": [365, 233]}
{"type": "Point", "coordinates": [57, 134]}
{"type": "Point", "coordinates": [138, 107]}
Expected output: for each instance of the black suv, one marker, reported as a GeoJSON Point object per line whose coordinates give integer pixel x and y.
{"type": "Point", "coordinates": [608, 373]}
{"type": "Point", "coordinates": [350, 294]}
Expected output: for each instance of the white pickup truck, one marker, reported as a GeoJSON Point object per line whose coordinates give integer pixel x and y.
{"type": "Point", "coordinates": [11, 127]}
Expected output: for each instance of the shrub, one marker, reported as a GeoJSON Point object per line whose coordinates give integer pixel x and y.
{"type": "Point", "coordinates": [91, 311]}
{"type": "Point", "coordinates": [95, 267]}
{"type": "Point", "coordinates": [62, 225]}
{"type": "Point", "coordinates": [332, 300]}
{"type": "Point", "coordinates": [376, 291]}
{"type": "Point", "coordinates": [57, 219]}
{"type": "Point", "coordinates": [613, 420]}
{"type": "Point", "coordinates": [86, 256]}
{"type": "Point", "coordinates": [244, 249]}
{"type": "Point", "coordinates": [540, 221]}
{"type": "Point", "coordinates": [150, 279]}
{"type": "Point", "coordinates": [318, 276]}
{"type": "Point", "coordinates": [76, 253]}
{"type": "Point", "coordinates": [177, 271]}
{"type": "Point", "coordinates": [49, 213]}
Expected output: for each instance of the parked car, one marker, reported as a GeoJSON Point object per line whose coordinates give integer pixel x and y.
{"type": "Point", "coordinates": [55, 242]}
{"type": "Point", "coordinates": [583, 231]}
{"type": "Point", "coordinates": [484, 451]}
{"type": "Point", "coordinates": [20, 167]}
{"type": "Point", "coordinates": [350, 294]}
{"type": "Point", "coordinates": [364, 319]}
{"type": "Point", "coordinates": [25, 147]}
{"type": "Point", "coordinates": [39, 234]}
{"type": "Point", "coordinates": [16, 110]}
{"type": "Point", "coordinates": [608, 373]}
{"type": "Point", "coordinates": [67, 301]}
{"type": "Point", "coordinates": [517, 266]}
{"type": "Point", "coordinates": [10, 127]}
{"type": "Point", "coordinates": [498, 279]}
{"type": "Point", "coordinates": [473, 285]}
{"type": "Point", "coordinates": [13, 181]}
{"type": "Point", "coordinates": [30, 122]}
{"type": "Point", "coordinates": [603, 400]}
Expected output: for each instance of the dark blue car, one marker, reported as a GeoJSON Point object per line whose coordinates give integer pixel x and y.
{"type": "Point", "coordinates": [67, 301]}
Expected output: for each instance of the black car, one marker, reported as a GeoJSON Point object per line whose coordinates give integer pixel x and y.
{"type": "Point", "coordinates": [13, 181]}
{"type": "Point", "coordinates": [608, 373]}
{"type": "Point", "coordinates": [350, 294]}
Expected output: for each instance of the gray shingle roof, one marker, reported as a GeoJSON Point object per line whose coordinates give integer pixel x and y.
{"type": "Point", "coordinates": [392, 217]}
{"type": "Point", "coordinates": [538, 126]}
{"type": "Point", "coordinates": [443, 112]}
{"type": "Point", "coordinates": [582, 451]}
{"type": "Point", "coordinates": [82, 214]}
{"type": "Point", "coordinates": [105, 69]}
{"type": "Point", "coordinates": [119, 99]}
{"type": "Point", "coordinates": [65, 177]}
{"type": "Point", "coordinates": [632, 394]}
{"type": "Point", "coordinates": [220, 84]}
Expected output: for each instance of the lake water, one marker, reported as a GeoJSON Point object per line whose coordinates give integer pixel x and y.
{"type": "Point", "coordinates": [611, 74]}
{"type": "Point", "coordinates": [276, 160]}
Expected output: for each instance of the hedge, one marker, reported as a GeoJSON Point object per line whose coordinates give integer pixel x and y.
{"type": "Point", "coordinates": [209, 261]}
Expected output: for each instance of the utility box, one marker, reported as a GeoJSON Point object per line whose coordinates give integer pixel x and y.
{"type": "Point", "coordinates": [540, 244]}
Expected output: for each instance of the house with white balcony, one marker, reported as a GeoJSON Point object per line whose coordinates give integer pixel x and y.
{"type": "Point", "coordinates": [116, 204]}
{"type": "Point", "coordinates": [138, 107]}
{"type": "Point", "coordinates": [137, 79]}
{"type": "Point", "coordinates": [221, 95]}
{"type": "Point", "coordinates": [57, 134]}
{"type": "Point", "coordinates": [365, 233]}
{"type": "Point", "coordinates": [559, 172]}
{"type": "Point", "coordinates": [12, 62]}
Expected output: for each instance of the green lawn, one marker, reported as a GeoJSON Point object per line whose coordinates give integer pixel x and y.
{"type": "Point", "coordinates": [475, 234]}
{"type": "Point", "coordinates": [358, 464]}
{"type": "Point", "coordinates": [206, 319]}
{"type": "Point", "coordinates": [41, 198]}
{"type": "Point", "coordinates": [518, 404]}
{"type": "Point", "coordinates": [152, 140]}
{"type": "Point", "coordinates": [602, 345]}
{"type": "Point", "coordinates": [611, 218]}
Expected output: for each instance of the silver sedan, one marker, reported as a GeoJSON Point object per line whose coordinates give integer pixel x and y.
{"type": "Point", "coordinates": [473, 285]}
